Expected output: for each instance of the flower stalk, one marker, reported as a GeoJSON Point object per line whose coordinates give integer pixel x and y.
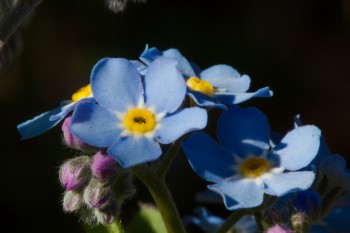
{"type": "Point", "coordinates": [162, 198]}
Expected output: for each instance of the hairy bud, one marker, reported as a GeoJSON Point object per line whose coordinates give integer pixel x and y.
{"type": "Point", "coordinates": [96, 195]}
{"type": "Point", "coordinates": [72, 201]}
{"type": "Point", "coordinates": [70, 140]}
{"type": "Point", "coordinates": [75, 173]}
{"type": "Point", "coordinates": [119, 5]}
{"type": "Point", "coordinates": [279, 229]}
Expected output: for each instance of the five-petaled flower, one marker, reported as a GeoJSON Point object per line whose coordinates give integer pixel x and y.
{"type": "Point", "coordinates": [244, 167]}
{"type": "Point", "coordinates": [132, 114]}
{"type": "Point", "coordinates": [216, 86]}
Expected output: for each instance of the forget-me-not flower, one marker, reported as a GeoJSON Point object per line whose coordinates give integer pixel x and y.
{"type": "Point", "coordinates": [51, 118]}
{"type": "Point", "coordinates": [244, 167]}
{"type": "Point", "coordinates": [134, 114]}
{"type": "Point", "coordinates": [217, 86]}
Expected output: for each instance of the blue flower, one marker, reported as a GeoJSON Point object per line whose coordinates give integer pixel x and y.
{"type": "Point", "coordinates": [337, 219]}
{"type": "Point", "coordinates": [133, 115]}
{"type": "Point", "coordinates": [217, 86]}
{"type": "Point", "coordinates": [244, 167]}
{"type": "Point", "coordinates": [49, 119]}
{"type": "Point", "coordinates": [334, 167]}
{"type": "Point", "coordinates": [209, 223]}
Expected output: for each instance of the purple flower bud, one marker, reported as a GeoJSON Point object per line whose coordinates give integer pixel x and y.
{"type": "Point", "coordinates": [96, 195]}
{"type": "Point", "coordinates": [75, 173]}
{"type": "Point", "coordinates": [278, 229]}
{"type": "Point", "coordinates": [71, 201]}
{"type": "Point", "coordinates": [103, 166]}
{"type": "Point", "coordinates": [307, 202]}
{"type": "Point", "coordinates": [71, 140]}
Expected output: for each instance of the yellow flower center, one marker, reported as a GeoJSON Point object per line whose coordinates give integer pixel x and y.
{"type": "Point", "coordinates": [139, 121]}
{"type": "Point", "coordinates": [82, 93]}
{"type": "Point", "coordinates": [254, 167]}
{"type": "Point", "coordinates": [200, 85]}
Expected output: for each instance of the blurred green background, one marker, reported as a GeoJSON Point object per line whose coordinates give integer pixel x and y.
{"type": "Point", "coordinates": [301, 49]}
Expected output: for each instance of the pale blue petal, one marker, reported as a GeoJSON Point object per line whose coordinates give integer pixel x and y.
{"type": "Point", "coordinates": [116, 84]}
{"type": "Point", "coordinates": [245, 131]}
{"type": "Point", "coordinates": [95, 125]}
{"type": "Point", "coordinates": [183, 65]}
{"type": "Point", "coordinates": [205, 101]}
{"type": "Point", "coordinates": [211, 162]}
{"type": "Point", "coordinates": [165, 87]}
{"type": "Point", "coordinates": [299, 147]}
{"type": "Point", "coordinates": [131, 151]}
{"type": "Point", "coordinates": [283, 183]}
{"type": "Point", "coordinates": [38, 124]}
{"type": "Point", "coordinates": [239, 193]}
{"type": "Point", "coordinates": [141, 68]}
{"type": "Point", "coordinates": [181, 122]}
{"type": "Point", "coordinates": [236, 98]}
{"type": "Point", "coordinates": [226, 78]}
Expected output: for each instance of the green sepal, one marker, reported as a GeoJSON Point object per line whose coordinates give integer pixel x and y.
{"type": "Point", "coordinates": [147, 220]}
{"type": "Point", "coordinates": [114, 227]}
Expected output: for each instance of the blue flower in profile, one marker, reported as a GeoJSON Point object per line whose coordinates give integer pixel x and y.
{"type": "Point", "coordinates": [334, 167]}
{"type": "Point", "coordinates": [244, 167]}
{"type": "Point", "coordinates": [217, 86]}
{"type": "Point", "coordinates": [49, 119]}
{"type": "Point", "coordinates": [134, 114]}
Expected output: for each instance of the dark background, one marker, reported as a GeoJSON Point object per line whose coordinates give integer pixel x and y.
{"type": "Point", "coordinates": [301, 49]}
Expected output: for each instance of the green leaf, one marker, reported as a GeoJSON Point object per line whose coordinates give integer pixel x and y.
{"type": "Point", "coordinates": [114, 227]}
{"type": "Point", "coordinates": [148, 220]}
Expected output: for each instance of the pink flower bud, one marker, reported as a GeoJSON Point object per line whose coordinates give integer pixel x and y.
{"type": "Point", "coordinates": [71, 201]}
{"type": "Point", "coordinates": [278, 229]}
{"type": "Point", "coordinates": [75, 173]}
{"type": "Point", "coordinates": [103, 166]}
{"type": "Point", "coordinates": [71, 140]}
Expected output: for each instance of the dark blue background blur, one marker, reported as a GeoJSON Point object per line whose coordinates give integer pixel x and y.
{"type": "Point", "coordinates": [301, 49]}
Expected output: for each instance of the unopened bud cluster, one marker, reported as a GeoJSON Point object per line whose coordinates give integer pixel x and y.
{"type": "Point", "coordinates": [93, 187]}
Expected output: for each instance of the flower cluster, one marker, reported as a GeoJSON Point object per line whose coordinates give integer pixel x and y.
{"type": "Point", "coordinates": [135, 110]}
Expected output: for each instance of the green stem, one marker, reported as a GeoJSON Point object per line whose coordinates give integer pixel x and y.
{"type": "Point", "coordinates": [230, 221]}
{"type": "Point", "coordinates": [162, 198]}
{"type": "Point", "coordinates": [168, 158]}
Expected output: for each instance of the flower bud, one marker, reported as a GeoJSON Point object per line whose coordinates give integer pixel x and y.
{"type": "Point", "coordinates": [108, 214]}
{"type": "Point", "coordinates": [103, 167]}
{"type": "Point", "coordinates": [96, 195]}
{"type": "Point", "coordinates": [75, 173]}
{"type": "Point", "coordinates": [70, 139]}
{"type": "Point", "coordinates": [307, 202]}
{"type": "Point", "coordinates": [71, 201]}
{"type": "Point", "coordinates": [298, 220]}
{"type": "Point", "coordinates": [273, 216]}
{"type": "Point", "coordinates": [279, 229]}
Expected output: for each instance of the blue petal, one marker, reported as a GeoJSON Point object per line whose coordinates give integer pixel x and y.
{"type": "Point", "coordinates": [149, 55]}
{"type": "Point", "coordinates": [211, 162]}
{"type": "Point", "coordinates": [183, 65]}
{"type": "Point", "coordinates": [131, 151]}
{"type": "Point", "coordinates": [226, 78]}
{"type": "Point", "coordinates": [205, 101]}
{"type": "Point", "coordinates": [165, 87]}
{"type": "Point", "coordinates": [65, 110]}
{"type": "Point", "coordinates": [116, 84]}
{"type": "Point", "coordinates": [299, 147]}
{"type": "Point", "coordinates": [244, 131]}
{"type": "Point", "coordinates": [141, 68]}
{"type": "Point", "coordinates": [236, 98]}
{"type": "Point", "coordinates": [283, 183]}
{"type": "Point", "coordinates": [95, 125]}
{"type": "Point", "coordinates": [38, 124]}
{"type": "Point", "coordinates": [334, 167]}
{"type": "Point", "coordinates": [181, 122]}
{"type": "Point", "coordinates": [239, 193]}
